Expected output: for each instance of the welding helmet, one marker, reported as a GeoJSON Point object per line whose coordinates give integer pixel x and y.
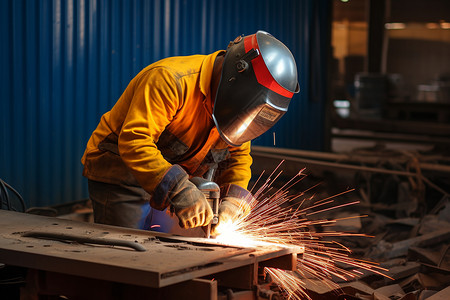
{"type": "Point", "coordinates": [258, 80]}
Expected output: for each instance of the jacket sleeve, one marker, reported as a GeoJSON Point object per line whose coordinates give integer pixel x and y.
{"type": "Point", "coordinates": [154, 103]}
{"type": "Point", "coordinates": [236, 169]}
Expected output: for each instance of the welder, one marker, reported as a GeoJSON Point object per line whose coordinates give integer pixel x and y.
{"type": "Point", "coordinates": [177, 119]}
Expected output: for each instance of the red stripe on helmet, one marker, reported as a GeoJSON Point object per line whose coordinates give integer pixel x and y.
{"type": "Point", "coordinates": [262, 73]}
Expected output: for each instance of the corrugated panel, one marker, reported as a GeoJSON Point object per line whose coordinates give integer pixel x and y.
{"type": "Point", "coordinates": [65, 63]}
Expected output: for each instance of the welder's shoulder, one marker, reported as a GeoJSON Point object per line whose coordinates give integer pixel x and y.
{"type": "Point", "coordinates": [176, 66]}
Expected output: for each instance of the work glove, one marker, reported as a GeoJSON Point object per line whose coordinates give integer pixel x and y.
{"type": "Point", "coordinates": [190, 205]}
{"type": "Point", "coordinates": [235, 205]}
{"type": "Point", "coordinates": [187, 202]}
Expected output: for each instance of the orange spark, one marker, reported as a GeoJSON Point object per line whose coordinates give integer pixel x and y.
{"type": "Point", "coordinates": [278, 219]}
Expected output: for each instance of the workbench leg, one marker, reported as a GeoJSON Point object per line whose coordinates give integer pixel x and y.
{"type": "Point", "coordinates": [49, 285]}
{"type": "Point", "coordinates": [196, 289]}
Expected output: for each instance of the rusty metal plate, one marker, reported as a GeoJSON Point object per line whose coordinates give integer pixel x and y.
{"type": "Point", "coordinates": [167, 259]}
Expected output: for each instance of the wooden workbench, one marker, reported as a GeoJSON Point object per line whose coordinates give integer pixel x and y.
{"type": "Point", "coordinates": [164, 260]}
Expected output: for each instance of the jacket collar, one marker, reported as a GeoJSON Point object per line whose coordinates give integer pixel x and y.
{"type": "Point", "coordinates": [205, 79]}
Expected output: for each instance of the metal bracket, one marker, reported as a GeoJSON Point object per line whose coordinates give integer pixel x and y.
{"type": "Point", "coordinates": [242, 64]}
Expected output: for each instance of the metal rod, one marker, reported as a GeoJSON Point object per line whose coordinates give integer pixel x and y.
{"type": "Point", "coordinates": [353, 167]}
{"type": "Point", "coordinates": [259, 150]}
{"type": "Point", "coordinates": [84, 240]}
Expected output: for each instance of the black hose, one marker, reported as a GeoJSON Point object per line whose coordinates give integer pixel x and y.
{"type": "Point", "coordinates": [4, 196]}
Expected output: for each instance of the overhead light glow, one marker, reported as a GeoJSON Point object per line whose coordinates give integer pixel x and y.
{"type": "Point", "coordinates": [395, 26]}
{"type": "Point", "coordinates": [341, 103]}
{"type": "Point", "coordinates": [445, 25]}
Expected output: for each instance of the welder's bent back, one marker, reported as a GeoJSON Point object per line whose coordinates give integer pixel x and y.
{"type": "Point", "coordinates": [162, 119]}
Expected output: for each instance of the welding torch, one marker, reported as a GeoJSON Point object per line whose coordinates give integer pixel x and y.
{"type": "Point", "coordinates": [211, 190]}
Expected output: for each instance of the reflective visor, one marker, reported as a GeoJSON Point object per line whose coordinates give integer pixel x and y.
{"type": "Point", "coordinates": [241, 121]}
{"type": "Point", "coordinates": [248, 126]}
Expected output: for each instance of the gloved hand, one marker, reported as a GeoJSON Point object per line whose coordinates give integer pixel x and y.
{"type": "Point", "coordinates": [190, 205]}
{"type": "Point", "coordinates": [183, 197]}
{"type": "Point", "coordinates": [233, 208]}
{"type": "Point", "coordinates": [234, 205]}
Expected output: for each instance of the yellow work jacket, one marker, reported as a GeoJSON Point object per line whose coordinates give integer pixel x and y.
{"type": "Point", "coordinates": [164, 118]}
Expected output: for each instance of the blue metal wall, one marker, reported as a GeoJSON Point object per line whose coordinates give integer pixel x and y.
{"type": "Point", "coordinates": [65, 62]}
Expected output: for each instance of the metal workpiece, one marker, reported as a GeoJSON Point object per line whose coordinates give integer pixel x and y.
{"type": "Point", "coordinates": [130, 256]}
